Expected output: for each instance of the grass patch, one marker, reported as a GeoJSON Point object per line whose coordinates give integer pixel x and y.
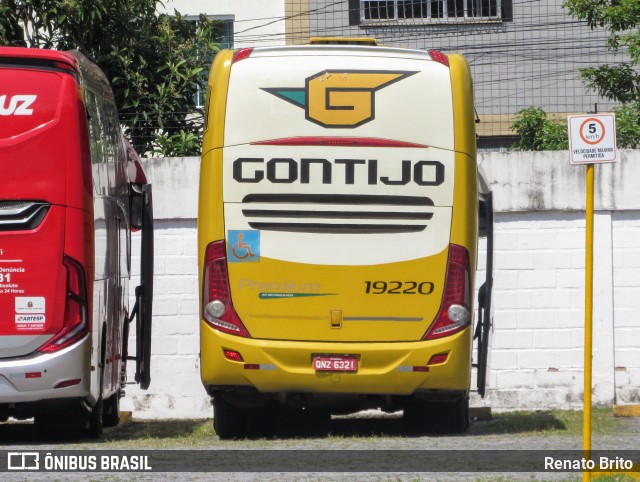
{"type": "Point", "coordinates": [547, 422]}
{"type": "Point", "coordinates": [160, 434]}
{"type": "Point", "coordinates": [200, 434]}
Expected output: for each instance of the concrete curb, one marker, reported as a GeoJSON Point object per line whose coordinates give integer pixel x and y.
{"type": "Point", "coordinates": [126, 417]}
{"type": "Point", "coordinates": [626, 410]}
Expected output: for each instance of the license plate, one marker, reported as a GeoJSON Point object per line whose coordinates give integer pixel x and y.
{"type": "Point", "coordinates": [324, 363]}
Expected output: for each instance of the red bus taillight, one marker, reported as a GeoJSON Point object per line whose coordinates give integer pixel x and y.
{"type": "Point", "coordinates": [75, 309]}
{"type": "Point", "coordinates": [439, 57]}
{"type": "Point", "coordinates": [217, 308]}
{"type": "Point", "coordinates": [241, 54]}
{"type": "Point", "coordinates": [454, 313]}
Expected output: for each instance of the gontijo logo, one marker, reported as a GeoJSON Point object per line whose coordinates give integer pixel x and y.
{"type": "Point", "coordinates": [340, 98]}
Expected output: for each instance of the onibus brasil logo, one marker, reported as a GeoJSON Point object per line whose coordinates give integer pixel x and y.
{"type": "Point", "coordinates": [340, 98]}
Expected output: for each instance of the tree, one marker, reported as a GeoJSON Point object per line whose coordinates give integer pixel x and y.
{"type": "Point", "coordinates": [536, 132]}
{"type": "Point", "coordinates": [619, 82]}
{"type": "Point", "coordinates": [155, 62]}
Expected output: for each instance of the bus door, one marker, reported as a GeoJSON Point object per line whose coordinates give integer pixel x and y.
{"type": "Point", "coordinates": [141, 209]}
{"type": "Point", "coordinates": [484, 324]}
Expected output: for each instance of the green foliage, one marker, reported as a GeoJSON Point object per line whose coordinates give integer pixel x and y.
{"type": "Point", "coordinates": [628, 126]}
{"type": "Point", "coordinates": [180, 144]}
{"type": "Point", "coordinates": [620, 82]}
{"type": "Point", "coordinates": [536, 132]}
{"type": "Point", "coordinates": [155, 62]}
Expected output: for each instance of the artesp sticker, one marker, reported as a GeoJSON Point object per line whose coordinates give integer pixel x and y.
{"type": "Point", "coordinates": [30, 322]}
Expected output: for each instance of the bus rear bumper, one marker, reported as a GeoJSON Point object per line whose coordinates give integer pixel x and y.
{"type": "Point", "coordinates": [45, 376]}
{"type": "Point", "coordinates": [399, 368]}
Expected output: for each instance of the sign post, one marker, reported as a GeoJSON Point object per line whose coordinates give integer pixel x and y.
{"type": "Point", "coordinates": [592, 139]}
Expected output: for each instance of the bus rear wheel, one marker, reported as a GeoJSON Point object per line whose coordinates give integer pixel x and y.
{"type": "Point", "coordinates": [111, 410]}
{"type": "Point", "coordinates": [231, 422]}
{"type": "Point", "coordinates": [423, 416]}
{"type": "Point", "coordinates": [228, 421]}
{"type": "Point", "coordinates": [95, 424]}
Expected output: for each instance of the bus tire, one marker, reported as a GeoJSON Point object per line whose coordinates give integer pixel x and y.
{"type": "Point", "coordinates": [111, 410]}
{"type": "Point", "coordinates": [262, 422]}
{"type": "Point", "coordinates": [95, 420]}
{"type": "Point", "coordinates": [455, 416]}
{"type": "Point", "coordinates": [418, 417]}
{"type": "Point", "coordinates": [429, 417]}
{"type": "Point", "coordinates": [229, 421]}
{"type": "Point", "coordinates": [96, 425]}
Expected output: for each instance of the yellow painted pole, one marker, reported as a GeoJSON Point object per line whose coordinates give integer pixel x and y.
{"type": "Point", "coordinates": [588, 322]}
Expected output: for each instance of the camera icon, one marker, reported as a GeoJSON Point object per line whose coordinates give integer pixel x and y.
{"type": "Point", "coordinates": [23, 461]}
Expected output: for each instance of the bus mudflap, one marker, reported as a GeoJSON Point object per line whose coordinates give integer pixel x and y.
{"type": "Point", "coordinates": [483, 328]}
{"type": "Point", "coordinates": [144, 293]}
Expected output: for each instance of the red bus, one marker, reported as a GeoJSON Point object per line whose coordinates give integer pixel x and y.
{"type": "Point", "coordinates": [71, 193]}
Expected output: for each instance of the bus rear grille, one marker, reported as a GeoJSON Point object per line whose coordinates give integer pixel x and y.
{"type": "Point", "coordinates": [22, 215]}
{"type": "Point", "coordinates": [337, 214]}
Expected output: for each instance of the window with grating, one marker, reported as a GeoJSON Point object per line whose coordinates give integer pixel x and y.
{"type": "Point", "coordinates": [376, 11]}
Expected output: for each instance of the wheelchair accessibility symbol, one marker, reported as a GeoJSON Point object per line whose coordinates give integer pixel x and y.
{"type": "Point", "coordinates": [243, 246]}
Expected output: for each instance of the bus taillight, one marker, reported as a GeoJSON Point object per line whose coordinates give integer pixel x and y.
{"type": "Point", "coordinates": [454, 313]}
{"type": "Point", "coordinates": [75, 309]}
{"type": "Point", "coordinates": [217, 308]}
{"type": "Point", "coordinates": [241, 54]}
{"type": "Point", "coordinates": [439, 57]}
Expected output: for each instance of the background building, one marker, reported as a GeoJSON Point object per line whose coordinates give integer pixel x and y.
{"type": "Point", "coordinates": [522, 53]}
{"type": "Point", "coordinates": [245, 23]}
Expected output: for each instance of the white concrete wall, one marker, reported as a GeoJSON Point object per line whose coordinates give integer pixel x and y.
{"type": "Point", "coordinates": [257, 23]}
{"type": "Point", "coordinates": [537, 356]}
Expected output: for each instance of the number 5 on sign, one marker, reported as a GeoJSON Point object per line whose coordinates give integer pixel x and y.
{"type": "Point", "coordinates": [592, 138]}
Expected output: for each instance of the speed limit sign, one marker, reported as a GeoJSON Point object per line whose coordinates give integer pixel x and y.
{"type": "Point", "coordinates": [592, 138]}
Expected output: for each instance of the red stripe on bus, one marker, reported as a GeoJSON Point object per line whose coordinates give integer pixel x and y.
{"type": "Point", "coordinates": [338, 141]}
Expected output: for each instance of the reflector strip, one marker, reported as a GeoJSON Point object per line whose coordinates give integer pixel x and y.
{"type": "Point", "coordinates": [438, 359]}
{"type": "Point", "coordinates": [406, 368]}
{"type": "Point", "coordinates": [68, 383]}
{"type": "Point", "coordinates": [233, 355]}
{"type": "Point", "coordinates": [257, 366]}
{"type": "Point", "coordinates": [33, 375]}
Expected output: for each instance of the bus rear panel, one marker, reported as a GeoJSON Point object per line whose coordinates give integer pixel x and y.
{"type": "Point", "coordinates": [64, 242]}
{"type": "Point", "coordinates": [43, 220]}
{"type": "Point", "coordinates": [338, 228]}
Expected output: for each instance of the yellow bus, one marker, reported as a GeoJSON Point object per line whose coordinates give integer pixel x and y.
{"type": "Point", "coordinates": [338, 226]}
